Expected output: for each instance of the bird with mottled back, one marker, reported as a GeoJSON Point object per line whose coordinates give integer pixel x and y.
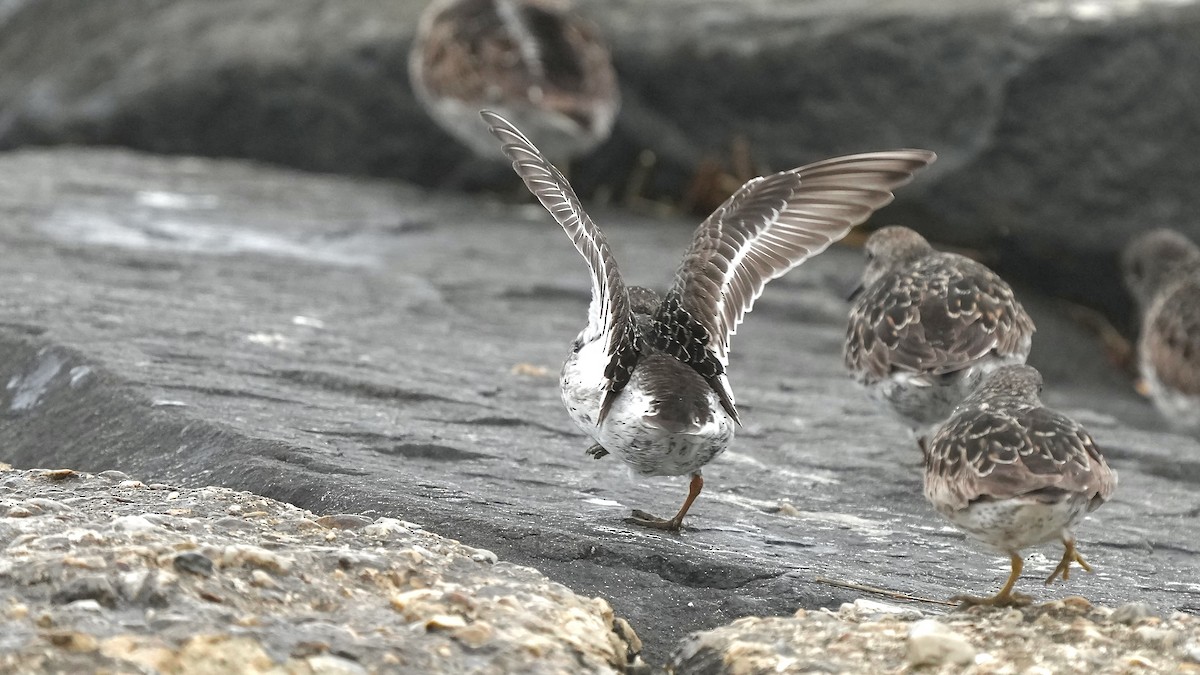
{"type": "Point", "coordinates": [927, 325]}
{"type": "Point", "coordinates": [1012, 474]}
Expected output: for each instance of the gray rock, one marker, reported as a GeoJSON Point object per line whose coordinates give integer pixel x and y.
{"type": "Point", "coordinates": [1061, 126]}
{"type": "Point", "coordinates": [358, 347]}
{"type": "Point", "coordinates": [427, 608]}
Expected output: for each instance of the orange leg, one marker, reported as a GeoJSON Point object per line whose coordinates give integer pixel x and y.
{"type": "Point", "coordinates": [1070, 555]}
{"type": "Point", "coordinates": [646, 520]}
{"type": "Point", "coordinates": [1006, 597]}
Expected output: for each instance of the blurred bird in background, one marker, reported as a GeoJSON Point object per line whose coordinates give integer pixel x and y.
{"type": "Point", "coordinates": [533, 61]}
{"type": "Point", "coordinates": [1161, 268]}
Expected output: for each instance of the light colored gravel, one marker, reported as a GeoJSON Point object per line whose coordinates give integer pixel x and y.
{"type": "Point", "coordinates": [1065, 636]}
{"type": "Point", "coordinates": [105, 573]}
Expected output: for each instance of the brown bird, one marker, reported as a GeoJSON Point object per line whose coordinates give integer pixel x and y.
{"type": "Point", "coordinates": [646, 377]}
{"type": "Point", "coordinates": [1014, 474]}
{"type": "Point", "coordinates": [1162, 271]}
{"type": "Point", "coordinates": [534, 61]}
{"type": "Point", "coordinates": [927, 326]}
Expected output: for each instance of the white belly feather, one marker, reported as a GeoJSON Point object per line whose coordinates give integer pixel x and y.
{"type": "Point", "coordinates": [628, 431]}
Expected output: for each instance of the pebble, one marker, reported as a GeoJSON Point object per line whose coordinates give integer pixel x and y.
{"type": "Point", "coordinates": [263, 580]}
{"type": "Point", "coordinates": [193, 562]}
{"type": "Point", "coordinates": [132, 524]}
{"type": "Point", "coordinates": [475, 635]}
{"type": "Point", "coordinates": [328, 664]}
{"type": "Point", "coordinates": [1131, 613]}
{"type": "Point", "coordinates": [72, 641]}
{"type": "Point", "coordinates": [114, 476]}
{"type": "Point", "coordinates": [131, 583]}
{"type": "Point", "coordinates": [91, 562]}
{"type": "Point", "coordinates": [385, 528]}
{"type": "Point", "coordinates": [92, 587]}
{"type": "Point", "coordinates": [872, 609]}
{"type": "Point", "coordinates": [930, 642]}
{"type": "Point", "coordinates": [445, 622]}
{"type": "Point", "coordinates": [344, 521]}
{"type": "Point", "coordinates": [254, 556]}
{"type": "Point", "coordinates": [47, 505]}
{"type": "Point", "coordinates": [482, 555]}
{"type": "Point", "coordinates": [1156, 637]}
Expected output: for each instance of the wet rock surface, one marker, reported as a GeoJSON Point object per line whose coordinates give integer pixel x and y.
{"type": "Point", "coordinates": [1061, 126]}
{"type": "Point", "coordinates": [367, 349]}
{"type": "Point", "coordinates": [1063, 636]}
{"type": "Point", "coordinates": [109, 574]}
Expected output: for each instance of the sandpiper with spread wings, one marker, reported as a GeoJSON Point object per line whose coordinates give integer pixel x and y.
{"type": "Point", "coordinates": [646, 377]}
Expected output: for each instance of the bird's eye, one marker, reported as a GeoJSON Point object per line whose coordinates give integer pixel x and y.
{"type": "Point", "coordinates": [1137, 269]}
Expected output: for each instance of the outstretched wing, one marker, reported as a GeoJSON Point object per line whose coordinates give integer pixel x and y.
{"type": "Point", "coordinates": [771, 225]}
{"type": "Point", "coordinates": [609, 318]}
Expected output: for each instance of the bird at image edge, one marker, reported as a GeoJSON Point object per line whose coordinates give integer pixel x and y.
{"type": "Point", "coordinates": [536, 61]}
{"type": "Point", "coordinates": [646, 377]}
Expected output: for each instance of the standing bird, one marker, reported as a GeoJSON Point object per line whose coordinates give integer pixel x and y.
{"type": "Point", "coordinates": [646, 377]}
{"type": "Point", "coordinates": [1013, 474]}
{"type": "Point", "coordinates": [533, 60]}
{"type": "Point", "coordinates": [1162, 271]}
{"type": "Point", "coordinates": [926, 326]}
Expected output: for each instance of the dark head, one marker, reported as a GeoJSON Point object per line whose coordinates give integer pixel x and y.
{"type": "Point", "coordinates": [888, 249]}
{"type": "Point", "coordinates": [1009, 383]}
{"type": "Point", "coordinates": [1154, 258]}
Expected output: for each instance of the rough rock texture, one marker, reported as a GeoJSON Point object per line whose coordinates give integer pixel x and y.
{"type": "Point", "coordinates": [357, 347]}
{"type": "Point", "coordinates": [106, 573]}
{"type": "Point", "coordinates": [1064, 636]}
{"type": "Point", "coordinates": [1061, 125]}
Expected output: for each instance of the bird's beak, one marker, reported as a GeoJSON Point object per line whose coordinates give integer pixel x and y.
{"type": "Point", "coordinates": [855, 293]}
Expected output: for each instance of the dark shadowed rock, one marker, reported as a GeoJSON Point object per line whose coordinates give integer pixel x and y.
{"type": "Point", "coordinates": [1062, 127]}
{"type": "Point", "coordinates": [354, 347]}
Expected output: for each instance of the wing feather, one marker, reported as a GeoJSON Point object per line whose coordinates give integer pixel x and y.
{"type": "Point", "coordinates": [774, 223]}
{"type": "Point", "coordinates": [609, 316]}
